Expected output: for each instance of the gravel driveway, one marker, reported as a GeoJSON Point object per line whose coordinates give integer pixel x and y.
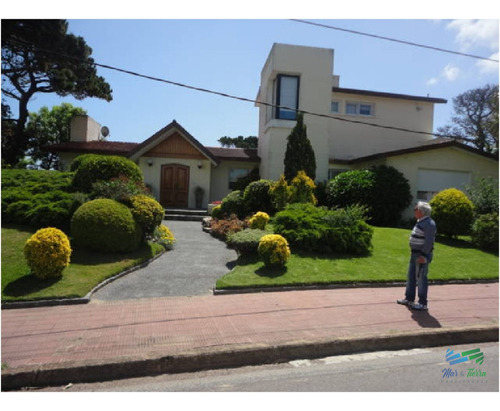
{"type": "Point", "coordinates": [191, 268]}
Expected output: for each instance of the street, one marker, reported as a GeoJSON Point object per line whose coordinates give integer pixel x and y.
{"type": "Point", "coordinates": [416, 370]}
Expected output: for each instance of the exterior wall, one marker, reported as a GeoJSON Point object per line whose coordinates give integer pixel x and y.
{"type": "Point", "coordinates": [350, 140]}
{"type": "Point", "coordinates": [198, 177]}
{"type": "Point", "coordinates": [314, 66]}
{"type": "Point", "coordinates": [220, 178]}
{"type": "Point", "coordinates": [67, 159]}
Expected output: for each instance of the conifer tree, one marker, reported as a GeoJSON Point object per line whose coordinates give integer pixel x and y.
{"type": "Point", "coordinates": [299, 155]}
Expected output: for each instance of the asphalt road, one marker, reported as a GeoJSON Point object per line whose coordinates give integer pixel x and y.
{"type": "Point", "coordinates": [416, 370]}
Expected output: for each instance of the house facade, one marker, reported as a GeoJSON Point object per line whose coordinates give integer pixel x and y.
{"type": "Point", "coordinates": [348, 129]}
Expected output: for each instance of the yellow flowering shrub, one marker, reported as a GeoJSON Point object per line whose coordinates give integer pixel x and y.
{"type": "Point", "coordinates": [274, 250]}
{"type": "Point", "coordinates": [147, 212]}
{"type": "Point", "coordinates": [47, 253]}
{"type": "Point", "coordinates": [259, 220]}
{"type": "Point", "coordinates": [164, 236]}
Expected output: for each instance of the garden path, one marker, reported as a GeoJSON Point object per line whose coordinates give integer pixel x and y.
{"type": "Point", "coordinates": [191, 268]}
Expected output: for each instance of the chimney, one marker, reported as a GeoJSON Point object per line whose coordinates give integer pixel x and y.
{"type": "Point", "coordinates": [84, 128]}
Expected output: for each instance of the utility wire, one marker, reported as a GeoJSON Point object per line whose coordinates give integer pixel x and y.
{"type": "Point", "coordinates": [218, 93]}
{"type": "Point", "coordinates": [394, 40]}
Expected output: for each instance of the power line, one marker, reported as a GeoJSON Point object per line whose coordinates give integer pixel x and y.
{"type": "Point", "coordinates": [394, 40]}
{"type": "Point", "coordinates": [218, 93]}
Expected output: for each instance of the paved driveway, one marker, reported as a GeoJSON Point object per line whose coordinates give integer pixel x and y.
{"type": "Point", "coordinates": [191, 268]}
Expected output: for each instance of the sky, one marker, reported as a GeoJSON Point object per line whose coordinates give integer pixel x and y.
{"type": "Point", "coordinates": [227, 54]}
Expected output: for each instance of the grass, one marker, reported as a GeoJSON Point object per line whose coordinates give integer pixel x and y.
{"type": "Point", "coordinates": [453, 260]}
{"type": "Point", "coordinates": [86, 270]}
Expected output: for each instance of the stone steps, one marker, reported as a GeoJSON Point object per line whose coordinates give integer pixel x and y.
{"type": "Point", "coordinates": [184, 214]}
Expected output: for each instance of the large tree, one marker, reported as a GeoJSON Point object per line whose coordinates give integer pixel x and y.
{"type": "Point", "coordinates": [299, 155]}
{"type": "Point", "coordinates": [475, 119]}
{"type": "Point", "coordinates": [39, 56]}
{"type": "Point", "coordinates": [49, 126]}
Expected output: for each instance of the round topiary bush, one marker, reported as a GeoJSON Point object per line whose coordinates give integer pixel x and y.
{"type": "Point", "coordinates": [93, 168]}
{"type": "Point", "coordinates": [233, 204]}
{"type": "Point", "coordinates": [257, 197]}
{"type": "Point", "coordinates": [148, 212]}
{"type": "Point", "coordinates": [349, 188]}
{"type": "Point", "coordinates": [47, 253]}
{"type": "Point", "coordinates": [452, 211]}
{"type": "Point", "coordinates": [107, 226]}
{"type": "Point", "coordinates": [259, 220]}
{"type": "Point", "coordinates": [274, 250]}
{"type": "Point", "coordinates": [485, 232]}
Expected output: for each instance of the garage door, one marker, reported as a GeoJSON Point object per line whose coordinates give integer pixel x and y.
{"type": "Point", "coordinates": [431, 182]}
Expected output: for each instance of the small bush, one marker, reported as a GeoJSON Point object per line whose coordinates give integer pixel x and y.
{"type": "Point", "coordinates": [163, 236]}
{"type": "Point", "coordinates": [94, 167]}
{"type": "Point", "coordinates": [119, 189]}
{"type": "Point", "coordinates": [302, 189]}
{"type": "Point", "coordinates": [259, 220]}
{"type": "Point", "coordinates": [233, 203]}
{"type": "Point", "coordinates": [484, 196]}
{"type": "Point", "coordinates": [453, 212]}
{"type": "Point", "coordinates": [147, 212]}
{"type": "Point", "coordinates": [222, 228]}
{"type": "Point", "coordinates": [485, 232]}
{"type": "Point", "coordinates": [350, 187]}
{"type": "Point", "coordinates": [217, 212]}
{"type": "Point", "coordinates": [280, 193]}
{"type": "Point", "coordinates": [47, 253]}
{"type": "Point", "coordinates": [107, 226]}
{"type": "Point", "coordinates": [274, 250]}
{"type": "Point", "coordinates": [246, 241]}
{"type": "Point", "coordinates": [257, 198]}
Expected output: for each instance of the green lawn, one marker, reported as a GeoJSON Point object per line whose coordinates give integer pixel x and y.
{"type": "Point", "coordinates": [86, 270]}
{"type": "Point", "coordinates": [453, 260]}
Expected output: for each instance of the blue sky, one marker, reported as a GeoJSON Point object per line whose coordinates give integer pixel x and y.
{"type": "Point", "coordinates": [227, 55]}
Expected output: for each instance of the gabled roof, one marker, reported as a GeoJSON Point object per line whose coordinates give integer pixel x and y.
{"type": "Point", "coordinates": [163, 134]}
{"type": "Point", "coordinates": [434, 144]}
{"type": "Point", "coordinates": [387, 95]}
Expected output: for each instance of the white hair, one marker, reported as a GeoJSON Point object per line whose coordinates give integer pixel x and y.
{"type": "Point", "coordinates": [424, 208]}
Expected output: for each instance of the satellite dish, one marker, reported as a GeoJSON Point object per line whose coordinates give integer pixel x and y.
{"type": "Point", "coordinates": [104, 131]}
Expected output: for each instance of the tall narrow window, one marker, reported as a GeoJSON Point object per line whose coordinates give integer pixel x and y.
{"type": "Point", "coordinates": [287, 97]}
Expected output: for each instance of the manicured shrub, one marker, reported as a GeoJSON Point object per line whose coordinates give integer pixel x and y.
{"type": "Point", "coordinates": [301, 225]}
{"type": "Point", "coordinates": [217, 212]}
{"type": "Point", "coordinates": [95, 168]}
{"type": "Point", "coordinates": [107, 226]}
{"type": "Point", "coordinates": [485, 232]}
{"type": "Point", "coordinates": [302, 189]}
{"type": "Point", "coordinates": [383, 190]}
{"type": "Point", "coordinates": [453, 212]}
{"type": "Point", "coordinates": [246, 242]}
{"type": "Point", "coordinates": [350, 187]}
{"type": "Point", "coordinates": [257, 198]}
{"type": "Point", "coordinates": [280, 193]}
{"type": "Point", "coordinates": [148, 212]}
{"type": "Point", "coordinates": [484, 196]}
{"type": "Point", "coordinates": [47, 253]}
{"type": "Point", "coordinates": [222, 228]}
{"type": "Point", "coordinates": [258, 220]}
{"type": "Point", "coordinates": [119, 189]}
{"type": "Point", "coordinates": [321, 230]}
{"type": "Point", "coordinates": [274, 250]}
{"type": "Point", "coordinates": [233, 203]}
{"type": "Point", "coordinates": [163, 236]}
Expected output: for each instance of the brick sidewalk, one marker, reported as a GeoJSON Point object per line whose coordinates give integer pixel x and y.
{"type": "Point", "coordinates": [100, 333]}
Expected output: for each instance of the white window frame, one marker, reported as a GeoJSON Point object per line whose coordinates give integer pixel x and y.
{"type": "Point", "coordinates": [358, 108]}
{"type": "Point", "coordinates": [337, 102]}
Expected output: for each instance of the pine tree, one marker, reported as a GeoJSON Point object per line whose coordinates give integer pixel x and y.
{"type": "Point", "coordinates": [299, 155]}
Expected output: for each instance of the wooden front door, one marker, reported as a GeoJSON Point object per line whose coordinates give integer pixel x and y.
{"type": "Point", "coordinates": [174, 189]}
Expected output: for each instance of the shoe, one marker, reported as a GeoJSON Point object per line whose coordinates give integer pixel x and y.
{"type": "Point", "coordinates": [420, 307]}
{"type": "Point", "coordinates": [404, 301]}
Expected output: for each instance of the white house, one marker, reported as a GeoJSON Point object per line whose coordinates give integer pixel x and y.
{"type": "Point", "coordinates": [348, 129]}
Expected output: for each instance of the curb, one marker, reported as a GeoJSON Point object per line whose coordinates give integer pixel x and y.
{"type": "Point", "coordinates": [237, 356]}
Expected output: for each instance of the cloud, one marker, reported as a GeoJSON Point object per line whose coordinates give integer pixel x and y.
{"type": "Point", "coordinates": [488, 67]}
{"type": "Point", "coordinates": [475, 33]}
{"type": "Point", "coordinates": [449, 73]}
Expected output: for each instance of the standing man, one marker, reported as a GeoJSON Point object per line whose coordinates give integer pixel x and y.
{"type": "Point", "coordinates": [421, 245]}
